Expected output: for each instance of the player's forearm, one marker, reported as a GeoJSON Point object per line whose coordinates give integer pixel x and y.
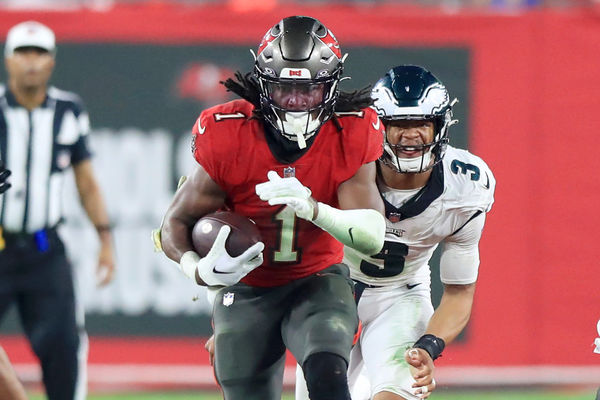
{"type": "Point", "coordinates": [453, 313]}
{"type": "Point", "coordinates": [176, 244]}
{"type": "Point", "coordinates": [196, 195]}
{"type": "Point", "coordinates": [175, 238]}
{"type": "Point", "coordinates": [362, 230]}
{"type": "Point", "coordinates": [91, 199]}
{"type": "Point", "coordinates": [93, 204]}
{"type": "Point", "coordinates": [10, 387]}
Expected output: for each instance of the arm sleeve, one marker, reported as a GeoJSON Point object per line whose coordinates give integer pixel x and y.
{"type": "Point", "coordinates": [459, 264]}
{"type": "Point", "coordinates": [361, 229]}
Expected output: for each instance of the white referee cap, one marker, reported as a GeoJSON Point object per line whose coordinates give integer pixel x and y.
{"type": "Point", "coordinates": [29, 34]}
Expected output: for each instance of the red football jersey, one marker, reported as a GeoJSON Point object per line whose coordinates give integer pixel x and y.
{"type": "Point", "coordinates": [233, 150]}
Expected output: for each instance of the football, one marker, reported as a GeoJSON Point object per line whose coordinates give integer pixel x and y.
{"type": "Point", "coordinates": [244, 232]}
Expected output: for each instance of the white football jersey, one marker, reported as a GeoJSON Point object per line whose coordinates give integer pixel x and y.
{"type": "Point", "coordinates": [460, 188]}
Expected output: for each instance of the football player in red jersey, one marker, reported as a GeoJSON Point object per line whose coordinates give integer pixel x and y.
{"type": "Point", "coordinates": [297, 156]}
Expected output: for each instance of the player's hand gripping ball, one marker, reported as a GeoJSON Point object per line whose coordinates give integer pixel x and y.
{"type": "Point", "coordinates": [243, 235]}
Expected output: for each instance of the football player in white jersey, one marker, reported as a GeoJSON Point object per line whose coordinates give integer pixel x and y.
{"type": "Point", "coordinates": [434, 193]}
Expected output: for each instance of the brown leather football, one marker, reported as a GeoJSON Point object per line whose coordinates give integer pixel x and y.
{"type": "Point", "coordinates": [244, 232]}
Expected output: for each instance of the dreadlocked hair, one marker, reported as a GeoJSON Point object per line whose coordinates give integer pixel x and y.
{"type": "Point", "coordinates": [354, 101]}
{"type": "Point", "coordinates": [245, 86]}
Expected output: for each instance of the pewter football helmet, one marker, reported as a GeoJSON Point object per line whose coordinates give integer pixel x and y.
{"type": "Point", "coordinates": [298, 67]}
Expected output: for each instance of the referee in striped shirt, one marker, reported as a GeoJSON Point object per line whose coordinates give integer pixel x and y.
{"type": "Point", "coordinates": [43, 131]}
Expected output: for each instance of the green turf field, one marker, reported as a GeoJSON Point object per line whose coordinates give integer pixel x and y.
{"type": "Point", "coordinates": [439, 395]}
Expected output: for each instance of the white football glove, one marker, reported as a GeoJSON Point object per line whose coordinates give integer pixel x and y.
{"type": "Point", "coordinates": [287, 191]}
{"type": "Point", "coordinates": [218, 268]}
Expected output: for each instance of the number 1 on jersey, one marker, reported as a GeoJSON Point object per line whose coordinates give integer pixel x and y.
{"type": "Point", "coordinates": [286, 252]}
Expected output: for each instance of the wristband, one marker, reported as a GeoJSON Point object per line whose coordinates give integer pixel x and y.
{"type": "Point", "coordinates": [103, 228]}
{"type": "Point", "coordinates": [431, 344]}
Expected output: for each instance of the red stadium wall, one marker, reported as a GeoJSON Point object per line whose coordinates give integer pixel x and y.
{"type": "Point", "coordinates": [534, 118]}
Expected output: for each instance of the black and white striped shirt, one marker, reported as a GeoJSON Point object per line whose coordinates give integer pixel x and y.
{"type": "Point", "coordinates": [38, 146]}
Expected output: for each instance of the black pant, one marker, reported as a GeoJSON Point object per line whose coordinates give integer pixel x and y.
{"type": "Point", "coordinates": [254, 326]}
{"type": "Point", "coordinates": [41, 285]}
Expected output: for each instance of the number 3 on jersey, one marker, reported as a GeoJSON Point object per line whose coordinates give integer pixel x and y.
{"type": "Point", "coordinates": [393, 255]}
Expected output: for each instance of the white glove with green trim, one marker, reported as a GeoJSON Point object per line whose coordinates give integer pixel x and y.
{"type": "Point", "coordinates": [289, 191]}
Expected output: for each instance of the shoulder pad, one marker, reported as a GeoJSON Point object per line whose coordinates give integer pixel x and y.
{"type": "Point", "coordinates": [469, 181]}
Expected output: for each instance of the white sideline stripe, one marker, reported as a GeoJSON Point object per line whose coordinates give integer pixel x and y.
{"type": "Point", "coordinates": [521, 375]}
{"type": "Point", "coordinates": [182, 374]}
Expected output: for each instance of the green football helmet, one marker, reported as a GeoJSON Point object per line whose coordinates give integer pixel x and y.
{"type": "Point", "coordinates": [410, 92]}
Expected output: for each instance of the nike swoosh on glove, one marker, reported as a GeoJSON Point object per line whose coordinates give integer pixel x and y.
{"type": "Point", "coordinates": [218, 268]}
{"type": "Point", "coordinates": [289, 191]}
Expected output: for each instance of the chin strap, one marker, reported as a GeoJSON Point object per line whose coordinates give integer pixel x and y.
{"type": "Point", "coordinates": [417, 164]}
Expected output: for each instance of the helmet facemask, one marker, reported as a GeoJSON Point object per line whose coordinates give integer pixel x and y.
{"type": "Point", "coordinates": [298, 68]}
{"type": "Point", "coordinates": [430, 153]}
{"type": "Point", "coordinates": [296, 108]}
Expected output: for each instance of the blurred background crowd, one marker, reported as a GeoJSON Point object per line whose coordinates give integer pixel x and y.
{"type": "Point", "coordinates": [489, 5]}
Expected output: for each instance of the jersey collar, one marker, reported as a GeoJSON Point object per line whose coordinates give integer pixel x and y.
{"type": "Point", "coordinates": [284, 150]}
{"type": "Point", "coordinates": [12, 101]}
{"type": "Point", "coordinates": [421, 200]}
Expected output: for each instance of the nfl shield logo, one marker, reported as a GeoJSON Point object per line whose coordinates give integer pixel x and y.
{"type": "Point", "coordinates": [394, 217]}
{"type": "Point", "coordinates": [228, 299]}
{"type": "Point", "coordinates": [63, 159]}
{"type": "Point", "coordinates": [289, 172]}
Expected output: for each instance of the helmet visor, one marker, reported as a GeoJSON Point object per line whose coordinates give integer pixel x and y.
{"type": "Point", "coordinates": [296, 95]}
